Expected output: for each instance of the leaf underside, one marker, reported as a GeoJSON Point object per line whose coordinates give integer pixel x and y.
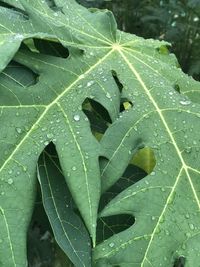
{"type": "Point", "coordinates": [35, 112]}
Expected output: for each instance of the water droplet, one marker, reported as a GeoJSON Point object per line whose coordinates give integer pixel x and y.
{"type": "Point", "coordinates": [50, 135]}
{"type": "Point", "coordinates": [188, 235]}
{"type": "Point", "coordinates": [90, 83]}
{"type": "Point", "coordinates": [185, 102]}
{"type": "Point", "coordinates": [18, 37]}
{"type": "Point", "coordinates": [24, 168]}
{"type": "Point", "coordinates": [82, 76]}
{"type": "Point", "coordinates": [191, 226]}
{"type": "Point", "coordinates": [187, 216]}
{"type": "Point", "coordinates": [183, 246]}
{"type": "Point", "coordinates": [76, 117]}
{"type": "Point", "coordinates": [18, 130]}
{"type": "Point", "coordinates": [108, 95]}
{"type": "Point", "coordinates": [10, 181]}
{"type": "Point", "coordinates": [188, 149]}
{"type": "Point", "coordinates": [111, 245]}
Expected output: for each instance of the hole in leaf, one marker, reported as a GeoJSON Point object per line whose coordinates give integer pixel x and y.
{"type": "Point", "coordinates": [163, 49]}
{"type": "Point", "coordinates": [177, 88]}
{"type": "Point", "coordinates": [180, 262]}
{"type": "Point", "coordinates": [109, 226]}
{"type": "Point", "coordinates": [52, 48]}
{"type": "Point", "coordinates": [125, 104]}
{"type": "Point", "coordinates": [98, 117]}
{"type": "Point", "coordinates": [144, 159]}
{"type": "Point", "coordinates": [19, 74]}
{"type": "Point", "coordinates": [119, 84]}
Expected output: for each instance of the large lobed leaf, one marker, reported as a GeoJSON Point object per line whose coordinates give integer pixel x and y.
{"type": "Point", "coordinates": [164, 203]}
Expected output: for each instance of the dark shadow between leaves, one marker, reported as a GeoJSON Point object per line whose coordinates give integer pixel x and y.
{"type": "Point", "coordinates": [141, 164]}
{"type": "Point", "coordinates": [51, 48]}
{"type": "Point", "coordinates": [125, 103]}
{"type": "Point", "coordinates": [109, 226]}
{"type": "Point", "coordinates": [180, 262]}
{"type": "Point", "coordinates": [98, 117]}
{"type": "Point", "coordinates": [40, 248]}
{"type": "Point", "coordinates": [131, 175]}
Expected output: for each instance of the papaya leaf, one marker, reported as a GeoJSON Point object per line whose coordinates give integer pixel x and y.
{"type": "Point", "coordinates": [166, 203]}
{"type": "Point", "coordinates": [69, 230]}
{"type": "Point", "coordinates": [50, 110]}
{"type": "Point", "coordinates": [15, 27]}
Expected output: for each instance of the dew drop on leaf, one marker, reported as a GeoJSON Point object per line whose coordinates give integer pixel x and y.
{"type": "Point", "coordinates": [10, 181]}
{"type": "Point", "coordinates": [18, 130]}
{"type": "Point", "coordinates": [76, 117]}
{"type": "Point", "coordinates": [49, 135]}
{"type": "Point", "coordinates": [191, 226]}
{"type": "Point", "coordinates": [185, 102]}
{"type": "Point", "coordinates": [187, 216]}
{"type": "Point", "coordinates": [108, 95]}
{"type": "Point", "coordinates": [90, 83]}
{"type": "Point", "coordinates": [111, 245]}
{"type": "Point", "coordinates": [188, 235]}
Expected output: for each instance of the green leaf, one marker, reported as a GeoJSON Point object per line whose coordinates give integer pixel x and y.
{"type": "Point", "coordinates": [69, 230]}
{"type": "Point", "coordinates": [166, 203]}
{"type": "Point", "coordinates": [14, 28]}
{"type": "Point", "coordinates": [51, 111]}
